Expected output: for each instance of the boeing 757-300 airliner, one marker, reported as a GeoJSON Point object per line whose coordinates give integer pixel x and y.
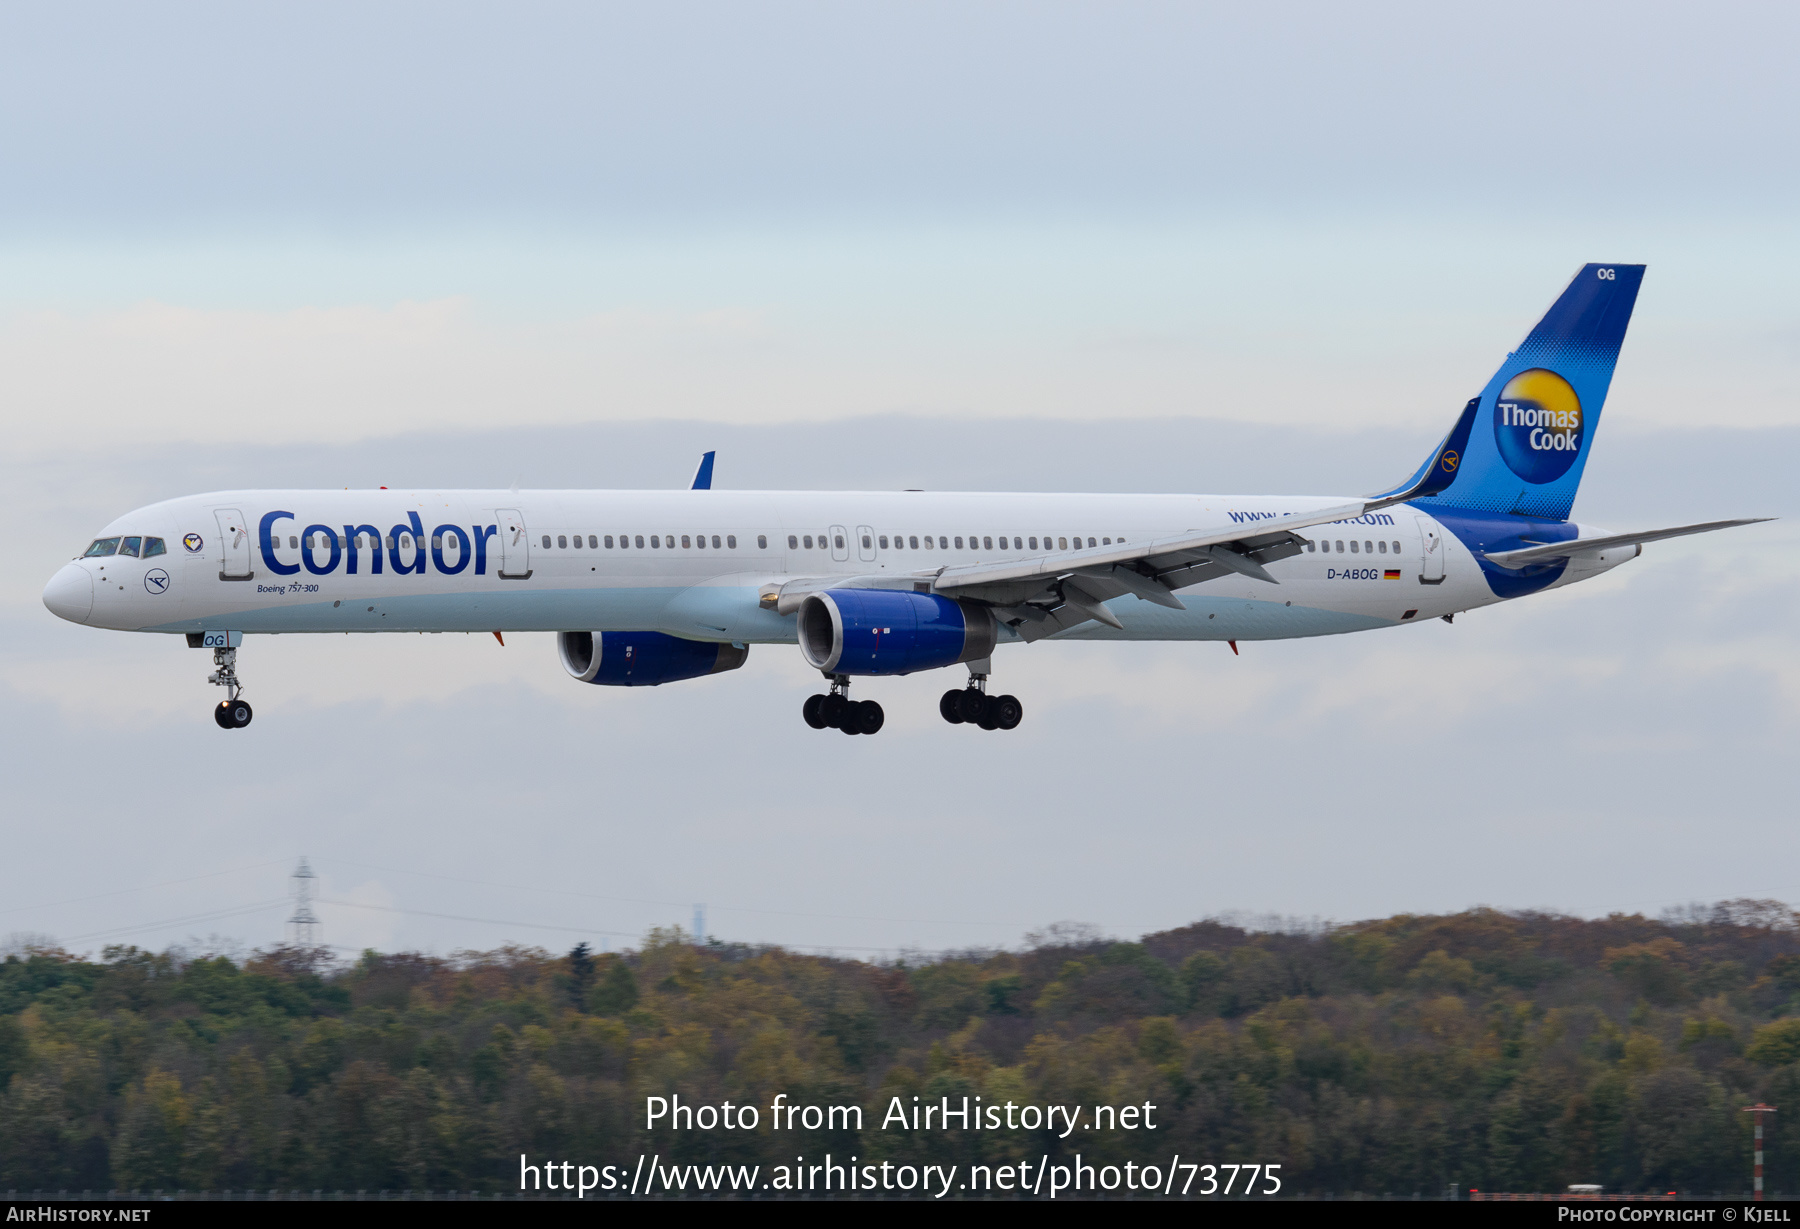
{"type": "Point", "coordinates": [650, 587]}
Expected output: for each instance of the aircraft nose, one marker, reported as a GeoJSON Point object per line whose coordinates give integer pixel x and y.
{"type": "Point", "coordinates": [70, 594]}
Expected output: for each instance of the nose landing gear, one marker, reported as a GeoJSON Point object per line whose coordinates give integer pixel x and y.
{"type": "Point", "coordinates": [837, 711]}
{"type": "Point", "coordinates": [233, 713]}
{"type": "Point", "coordinates": [973, 706]}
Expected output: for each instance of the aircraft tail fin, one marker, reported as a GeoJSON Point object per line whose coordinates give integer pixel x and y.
{"type": "Point", "coordinates": [1529, 433]}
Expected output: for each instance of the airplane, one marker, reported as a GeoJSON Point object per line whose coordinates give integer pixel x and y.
{"type": "Point", "coordinates": [649, 587]}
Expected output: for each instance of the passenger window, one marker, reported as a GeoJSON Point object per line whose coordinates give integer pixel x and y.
{"type": "Point", "coordinates": [608, 540]}
{"type": "Point", "coordinates": [913, 542]}
{"type": "Point", "coordinates": [1384, 548]}
{"type": "Point", "coordinates": [655, 542]}
{"type": "Point", "coordinates": [840, 541]}
{"type": "Point", "coordinates": [1032, 542]}
{"type": "Point", "coordinates": [808, 540]}
{"type": "Point", "coordinates": [1106, 541]}
{"type": "Point", "coordinates": [685, 546]}
{"type": "Point", "coordinates": [638, 541]}
{"type": "Point", "coordinates": [561, 541]}
{"type": "Point", "coordinates": [959, 544]}
{"type": "Point", "coordinates": [1062, 544]}
{"type": "Point", "coordinates": [101, 546]}
{"type": "Point", "coordinates": [1090, 542]}
{"type": "Point", "coordinates": [1309, 547]}
{"type": "Point", "coordinates": [987, 544]}
{"type": "Point", "coordinates": [437, 541]}
{"type": "Point", "coordinates": [1340, 546]}
{"type": "Point", "coordinates": [153, 546]}
{"type": "Point", "coordinates": [1369, 547]}
{"type": "Point", "coordinates": [715, 539]}
{"type": "Point", "coordinates": [1396, 548]}
{"type": "Point", "coordinates": [883, 541]}
{"type": "Point", "coordinates": [1353, 546]}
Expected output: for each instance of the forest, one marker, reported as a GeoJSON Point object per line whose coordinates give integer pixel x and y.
{"type": "Point", "coordinates": [1505, 1051]}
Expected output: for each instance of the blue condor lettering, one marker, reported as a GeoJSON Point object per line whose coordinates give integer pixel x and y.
{"type": "Point", "coordinates": [437, 548]}
{"type": "Point", "coordinates": [481, 539]}
{"type": "Point", "coordinates": [470, 544]}
{"type": "Point", "coordinates": [266, 540]}
{"type": "Point", "coordinates": [354, 534]}
{"type": "Point", "coordinates": [397, 536]}
{"type": "Point", "coordinates": [306, 549]}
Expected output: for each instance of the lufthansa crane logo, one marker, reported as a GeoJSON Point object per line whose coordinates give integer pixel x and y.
{"type": "Point", "coordinates": [192, 543]}
{"type": "Point", "coordinates": [1538, 425]}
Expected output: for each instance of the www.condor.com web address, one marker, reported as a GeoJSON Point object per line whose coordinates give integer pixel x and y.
{"type": "Point", "coordinates": [652, 1175]}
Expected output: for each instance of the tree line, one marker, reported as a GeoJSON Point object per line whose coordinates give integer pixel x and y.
{"type": "Point", "coordinates": [1515, 1051]}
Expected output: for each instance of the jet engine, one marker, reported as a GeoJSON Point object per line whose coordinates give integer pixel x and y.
{"type": "Point", "coordinates": [890, 631]}
{"type": "Point", "coordinates": [642, 659]}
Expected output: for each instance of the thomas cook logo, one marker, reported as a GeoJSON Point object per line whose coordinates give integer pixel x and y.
{"type": "Point", "coordinates": [193, 542]}
{"type": "Point", "coordinates": [1538, 425]}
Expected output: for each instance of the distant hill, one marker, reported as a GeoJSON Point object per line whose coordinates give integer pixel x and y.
{"type": "Point", "coordinates": [1505, 1051]}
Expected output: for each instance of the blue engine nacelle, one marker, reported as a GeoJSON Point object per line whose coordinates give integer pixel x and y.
{"type": "Point", "coordinates": [891, 631]}
{"type": "Point", "coordinates": [642, 659]}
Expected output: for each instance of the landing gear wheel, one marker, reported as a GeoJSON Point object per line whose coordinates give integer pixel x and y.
{"type": "Point", "coordinates": [989, 707]}
{"type": "Point", "coordinates": [970, 705]}
{"type": "Point", "coordinates": [949, 707]}
{"type": "Point", "coordinates": [239, 712]}
{"type": "Point", "coordinates": [811, 711]}
{"type": "Point", "coordinates": [222, 715]}
{"type": "Point", "coordinates": [867, 717]}
{"type": "Point", "coordinates": [832, 709]}
{"type": "Point", "coordinates": [1006, 711]}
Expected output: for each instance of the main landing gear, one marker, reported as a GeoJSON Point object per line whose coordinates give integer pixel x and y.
{"type": "Point", "coordinates": [837, 711]}
{"type": "Point", "coordinates": [234, 713]}
{"type": "Point", "coordinates": [970, 706]}
{"type": "Point", "coordinates": [974, 706]}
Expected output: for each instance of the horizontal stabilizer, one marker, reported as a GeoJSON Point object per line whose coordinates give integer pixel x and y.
{"type": "Point", "coordinates": [1581, 546]}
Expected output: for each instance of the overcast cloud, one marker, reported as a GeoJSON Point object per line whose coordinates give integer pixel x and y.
{"type": "Point", "coordinates": [1103, 247]}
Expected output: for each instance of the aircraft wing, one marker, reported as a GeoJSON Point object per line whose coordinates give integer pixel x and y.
{"type": "Point", "coordinates": [1060, 589]}
{"type": "Point", "coordinates": [1581, 546]}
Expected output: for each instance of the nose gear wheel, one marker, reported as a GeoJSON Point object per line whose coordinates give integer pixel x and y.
{"type": "Point", "coordinates": [233, 713]}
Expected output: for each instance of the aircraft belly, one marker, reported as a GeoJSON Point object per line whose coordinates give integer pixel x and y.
{"type": "Point", "coordinates": [612, 609]}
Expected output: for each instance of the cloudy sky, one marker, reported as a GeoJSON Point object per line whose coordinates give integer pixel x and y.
{"type": "Point", "coordinates": [1124, 247]}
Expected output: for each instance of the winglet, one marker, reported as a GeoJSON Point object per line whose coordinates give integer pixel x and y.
{"type": "Point", "coordinates": [703, 475]}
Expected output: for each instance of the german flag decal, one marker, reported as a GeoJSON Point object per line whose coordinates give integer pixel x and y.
{"type": "Point", "coordinates": [1391, 574]}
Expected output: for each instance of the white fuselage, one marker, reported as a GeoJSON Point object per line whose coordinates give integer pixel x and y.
{"type": "Point", "coordinates": [697, 564]}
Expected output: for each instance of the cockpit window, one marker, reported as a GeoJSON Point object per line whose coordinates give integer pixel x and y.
{"type": "Point", "coordinates": [102, 546]}
{"type": "Point", "coordinates": [153, 546]}
{"type": "Point", "coordinates": [131, 546]}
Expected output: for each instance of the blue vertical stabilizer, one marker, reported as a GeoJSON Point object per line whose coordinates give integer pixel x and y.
{"type": "Point", "coordinates": [1535, 420]}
